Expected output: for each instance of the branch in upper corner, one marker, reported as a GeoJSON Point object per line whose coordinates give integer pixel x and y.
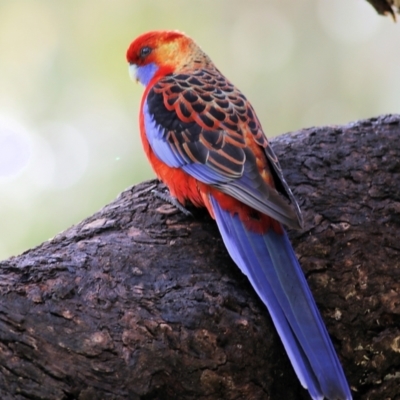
{"type": "Point", "coordinates": [386, 7]}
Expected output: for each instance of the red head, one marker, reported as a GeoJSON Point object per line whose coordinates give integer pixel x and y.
{"type": "Point", "coordinates": [160, 53]}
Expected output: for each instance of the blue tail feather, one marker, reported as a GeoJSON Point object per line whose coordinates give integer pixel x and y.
{"type": "Point", "coordinates": [270, 264]}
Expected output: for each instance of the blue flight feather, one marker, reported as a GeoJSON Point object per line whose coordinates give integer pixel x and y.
{"type": "Point", "coordinates": [270, 264]}
{"type": "Point", "coordinates": [156, 137]}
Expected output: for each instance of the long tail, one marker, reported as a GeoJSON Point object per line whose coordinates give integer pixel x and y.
{"type": "Point", "coordinates": [270, 264]}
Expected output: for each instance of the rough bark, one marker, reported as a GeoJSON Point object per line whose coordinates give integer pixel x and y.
{"type": "Point", "coordinates": [141, 302]}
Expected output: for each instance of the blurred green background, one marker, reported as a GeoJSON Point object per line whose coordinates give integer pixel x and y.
{"type": "Point", "coordinates": [68, 111]}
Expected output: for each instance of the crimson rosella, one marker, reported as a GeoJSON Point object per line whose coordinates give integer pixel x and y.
{"type": "Point", "coordinates": [205, 142]}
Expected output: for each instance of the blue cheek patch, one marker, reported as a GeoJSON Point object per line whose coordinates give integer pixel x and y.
{"type": "Point", "coordinates": [145, 74]}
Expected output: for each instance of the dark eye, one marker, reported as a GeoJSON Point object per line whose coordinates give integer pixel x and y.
{"type": "Point", "coordinates": [145, 51]}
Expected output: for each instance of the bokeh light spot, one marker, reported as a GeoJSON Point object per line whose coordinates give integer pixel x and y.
{"type": "Point", "coordinates": [15, 149]}
{"type": "Point", "coordinates": [70, 151]}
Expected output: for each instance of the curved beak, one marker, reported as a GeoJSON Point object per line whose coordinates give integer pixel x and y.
{"type": "Point", "coordinates": [133, 72]}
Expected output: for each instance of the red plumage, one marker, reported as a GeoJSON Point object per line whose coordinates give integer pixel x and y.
{"type": "Point", "coordinates": [225, 111]}
{"type": "Point", "coordinates": [205, 142]}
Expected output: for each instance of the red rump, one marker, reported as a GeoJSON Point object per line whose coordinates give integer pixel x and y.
{"type": "Point", "coordinates": [254, 220]}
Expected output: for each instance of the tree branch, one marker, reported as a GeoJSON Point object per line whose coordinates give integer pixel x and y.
{"type": "Point", "coordinates": [386, 7]}
{"type": "Point", "coordinates": [141, 302]}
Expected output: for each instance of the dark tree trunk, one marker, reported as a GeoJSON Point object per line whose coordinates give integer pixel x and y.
{"type": "Point", "coordinates": [140, 302]}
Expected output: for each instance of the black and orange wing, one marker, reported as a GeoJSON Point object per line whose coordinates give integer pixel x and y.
{"type": "Point", "coordinates": [201, 123]}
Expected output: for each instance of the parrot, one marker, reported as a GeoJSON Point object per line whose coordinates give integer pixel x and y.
{"type": "Point", "coordinates": [205, 142]}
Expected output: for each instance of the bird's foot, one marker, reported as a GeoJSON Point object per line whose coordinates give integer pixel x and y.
{"type": "Point", "coordinates": [171, 200]}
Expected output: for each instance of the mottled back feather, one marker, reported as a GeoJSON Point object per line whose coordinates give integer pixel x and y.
{"type": "Point", "coordinates": [206, 120]}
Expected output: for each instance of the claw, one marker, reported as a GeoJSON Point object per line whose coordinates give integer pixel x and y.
{"type": "Point", "coordinates": [171, 200]}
